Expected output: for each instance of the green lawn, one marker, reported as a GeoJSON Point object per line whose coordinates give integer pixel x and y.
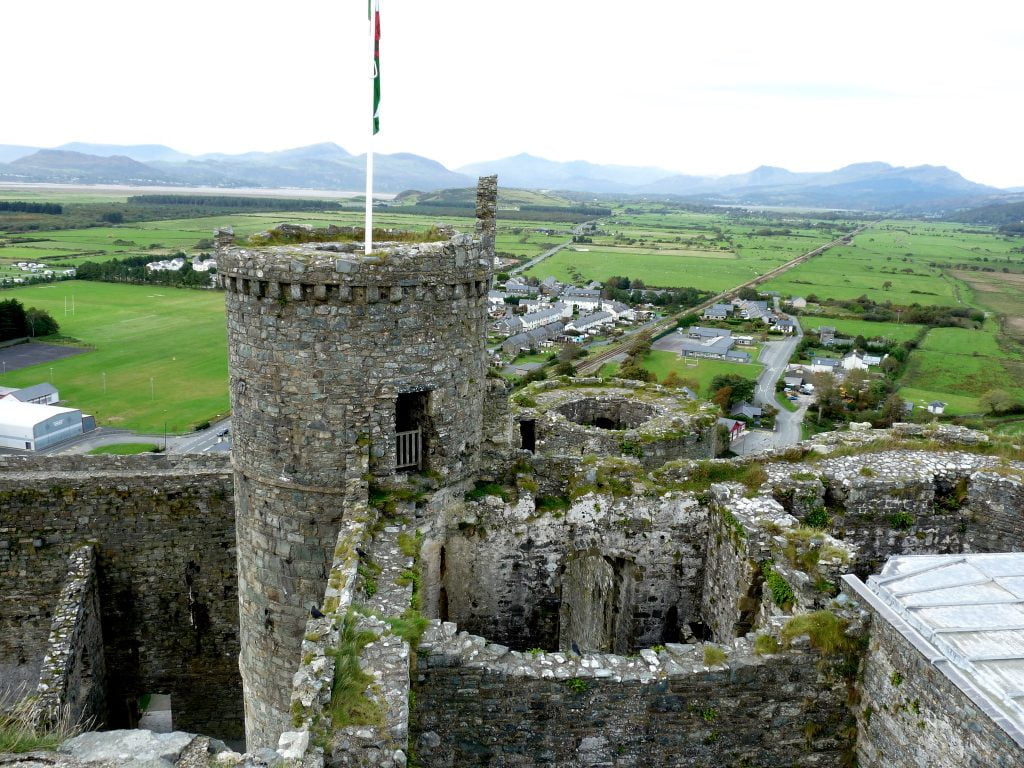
{"type": "Point", "coordinates": [173, 340]}
{"type": "Point", "coordinates": [785, 402]}
{"type": "Point", "coordinates": [124, 449]}
{"type": "Point", "coordinates": [851, 328]}
{"type": "Point", "coordinates": [661, 363]}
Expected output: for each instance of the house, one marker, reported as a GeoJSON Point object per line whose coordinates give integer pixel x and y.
{"type": "Point", "coordinates": [718, 312]}
{"type": "Point", "coordinates": [549, 286]}
{"type": "Point", "coordinates": [733, 427]}
{"type": "Point", "coordinates": [825, 365]}
{"type": "Point", "coordinates": [534, 305]}
{"type": "Point", "coordinates": [531, 339]}
{"type": "Point", "coordinates": [550, 314]}
{"type": "Point", "coordinates": [785, 325]}
{"type": "Point", "coordinates": [590, 323]}
{"type": "Point", "coordinates": [496, 299]}
{"type": "Point", "coordinates": [873, 359]}
{"type": "Point", "coordinates": [32, 426]}
{"type": "Point", "coordinates": [593, 285]}
{"type": "Point", "coordinates": [937, 407]}
{"type": "Point", "coordinates": [700, 332]}
{"type": "Point", "coordinates": [747, 410]}
{"type": "Point", "coordinates": [621, 311]}
{"type": "Point", "coordinates": [587, 299]}
{"type": "Point", "coordinates": [792, 381]}
{"type": "Point", "coordinates": [40, 394]}
{"type": "Point", "coordinates": [798, 302]}
{"type": "Point", "coordinates": [516, 286]}
{"type": "Point", "coordinates": [716, 347]}
{"type": "Point", "coordinates": [854, 361]}
{"type": "Point", "coordinates": [754, 310]}
{"type": "Point", "coordinates": [203, 265]}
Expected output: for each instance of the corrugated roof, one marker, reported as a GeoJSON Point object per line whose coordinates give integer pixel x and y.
{"type": "Point", "coordinates": [971, 609]}
{"type": "Point", "coordinates": [36, 390]}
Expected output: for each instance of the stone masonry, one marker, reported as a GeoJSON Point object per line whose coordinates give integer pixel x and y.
{"type": "Point", "coordinates": [331, 354]}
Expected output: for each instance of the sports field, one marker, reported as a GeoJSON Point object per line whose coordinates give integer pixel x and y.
{"type": "Point", "coordinates": [159, 354]}
{"type": "Point", "coordinates": [661, 363]}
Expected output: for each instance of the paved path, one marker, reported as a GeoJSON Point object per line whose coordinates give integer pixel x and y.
{"type": "Point", "coordinates": [775, 356]}
{"type": "Point", "coordinates": [23, 355]}
{"type": "Point", "coordinates": [550, 252]}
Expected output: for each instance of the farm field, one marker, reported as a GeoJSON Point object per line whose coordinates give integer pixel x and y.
{"type": "Point", "coordinates": [174, 338]}
{"type": "Point", "coordinates": [71, 247]}
{"type": "Point", "coordinates": [852, 328]}
{"type": "Point", "coordinates": [1002, 294]}
{"type": "Point", "coordinates": [958, 366]}
{"type": "Point", "coordinates": [912, 256]}
{"type": "Point", "coordinates": [681, 249]}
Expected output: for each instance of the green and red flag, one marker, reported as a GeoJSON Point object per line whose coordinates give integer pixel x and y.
{"type": "Point", "coordinates": [373, 11]}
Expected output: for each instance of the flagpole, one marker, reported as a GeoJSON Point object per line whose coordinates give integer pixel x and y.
{"type": "Point", "coordinates": [368, 245]}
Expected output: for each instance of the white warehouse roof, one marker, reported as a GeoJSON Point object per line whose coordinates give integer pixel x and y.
{"type": "Point", "coordinates": [14, 413]}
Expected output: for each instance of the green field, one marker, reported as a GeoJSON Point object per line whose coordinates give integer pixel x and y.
{"type": "Point", "coordinates": [124, 449]}
{"type": "Point", "coordinates": [957, 366]}
{"type": "Point", "coordinates": [173, 340]}
{"type": "Point", "coordinates": [852, 328]}
{"type": "Point", "coordinates": [661, 363]}
{"type": "Point", "coordinates": [678, 249]}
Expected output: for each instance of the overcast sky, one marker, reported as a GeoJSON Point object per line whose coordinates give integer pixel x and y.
{"type": "Point", "coordinates": [696, 87]}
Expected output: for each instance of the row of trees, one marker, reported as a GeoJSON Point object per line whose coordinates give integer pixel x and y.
{"type": "Point", "coordinates": [18, 206]}
{"type": "Point", "coordinates": [132, 269]}
{"type": "Point", "coordinates": [17, 322]}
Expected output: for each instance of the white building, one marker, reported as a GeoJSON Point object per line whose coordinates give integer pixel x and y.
{"type": "Point", "coordinates": [590, 323]}
{"type": "Point", "coordinates": [29, 426]}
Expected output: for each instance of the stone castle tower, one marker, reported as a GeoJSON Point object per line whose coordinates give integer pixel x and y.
{"type": "Point", "coordinates": [343, 368]}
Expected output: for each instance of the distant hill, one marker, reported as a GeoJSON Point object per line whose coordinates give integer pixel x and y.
{"type": "Point", "coordinates": [872, 186]}
{"type": "Point", "coordinates": [143, 153]}
{"type": "Point", "coordinates": [1008, 217]}
{"type": "Point", "coordinates": [532, 172]}
{"type": "Point", "coordinates": [62, 166]}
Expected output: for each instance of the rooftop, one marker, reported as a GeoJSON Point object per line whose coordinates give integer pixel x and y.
{"type": "Point", "coordinates": [14, 413]}
{"type": "Point", "coordinates": [969, 610]}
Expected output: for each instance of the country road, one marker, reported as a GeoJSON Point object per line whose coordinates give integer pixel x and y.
{"type": "Point", "coordinates": [593, 364]}
{"type": "Point", "coordinates": [775, 355]}
{"type": "Point", "coordinates": [578, 229]}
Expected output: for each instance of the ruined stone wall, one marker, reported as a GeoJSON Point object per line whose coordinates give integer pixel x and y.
{"type": "Point", "coordinates": [912, 713]}
{"type": "Point", "coordinates": [480, 704]}
{"type": "Point", "coordinates": [995, 512]}
{"type": "Point", "coordinates": [73, 680]}
{"type": "Point", "coordinates": [909, 502]}
{"type": "Point", "coordinates": [519, 575]}
{"type": "Point", "coordinates": [163, 529]}
{"type": "Point", "coordinates": [322, 343]}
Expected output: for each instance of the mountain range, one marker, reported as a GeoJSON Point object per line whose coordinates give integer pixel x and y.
{"type": "Point", "coordinates": [326, 166]}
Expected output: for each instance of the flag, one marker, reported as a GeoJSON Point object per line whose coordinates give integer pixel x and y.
{"type": "Point", "coordinates": [374, 15]}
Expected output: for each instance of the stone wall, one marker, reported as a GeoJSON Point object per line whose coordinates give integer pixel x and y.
{"type": "Point", "coordinates": [519, 575]}
{"type": "Point", "coordinates": [331, 353]}
{"type": "Point", "coordinates": [72, 682]}
{"type": "Point", "coordinates": [478, 703]}
{"type": "Point", "coordinates": [163, 530]}
{"type": "Point", "coordinates": [581, 417]}
{"type": "Point", "coordinates": [907, 502]}
{"type": "Point", "coordinates": [914, 710]}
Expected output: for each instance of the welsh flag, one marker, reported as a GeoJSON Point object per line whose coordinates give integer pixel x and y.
{"type": "Point", "coordinates": [373, 13]}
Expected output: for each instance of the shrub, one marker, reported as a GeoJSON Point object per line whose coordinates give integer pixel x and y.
{"type": "Point", "coordinates": [713, 656]}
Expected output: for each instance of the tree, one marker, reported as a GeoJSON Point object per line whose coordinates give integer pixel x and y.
{"type": "Point", "coordinates": [40, 322]}
{"type": "Point", "coordinates": [740, 389]}
{"type": "Point", "coordinates": [747, 293]}
{"type": "Point", "coordinates": [887, 285]}
{"type": "Point", "coordinates": [998, 401]}
{"type": "Point", "coordinates": [631, 370]}
{"type": "Point", "coordinates": [12, 320]}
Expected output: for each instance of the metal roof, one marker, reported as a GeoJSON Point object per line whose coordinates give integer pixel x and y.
{"type": "Point", "coordinates": [970, 608]}
{"type": "Point", "coordinates": [36, 390]}
{"type": "Point", "coordinates": [14, 413]}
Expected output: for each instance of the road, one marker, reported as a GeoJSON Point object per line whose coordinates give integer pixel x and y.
{"type": "Point", "coordinates": [775, 356]}
{"type": "Point", "coordinates": [578, 229]}
{"type": "Point", "coordinates": [216, 439]}
{"type": "Point", "coordinates": [593, 364]}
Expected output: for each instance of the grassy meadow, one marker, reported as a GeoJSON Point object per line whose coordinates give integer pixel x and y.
{"type": "Point", "coordinates": [173, 340]}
